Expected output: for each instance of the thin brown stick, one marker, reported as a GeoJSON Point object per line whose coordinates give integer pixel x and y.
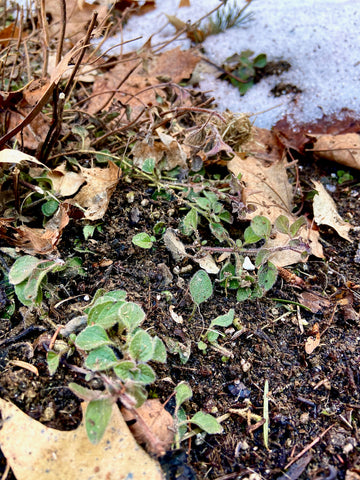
{"type": "Point", "coordinates": [307, 448]}
{"type": "Point", "coordinates": [82, 53]}
{"type": "Point", "coordinates": [62, 33]}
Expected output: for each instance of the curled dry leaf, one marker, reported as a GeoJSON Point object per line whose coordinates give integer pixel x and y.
{"type": "Point", "coordinates": [65, 183]}
{"type": "Point", "coordinates": [315, 302]}
{"type": "Point", "coordinates": [154, 426]}
{"type": "Point", "coordinates": [94, 197]}
{"type": "Point", "coordinates": [343, 149]}
{"type": "Point", "coordinates": [35, 451]}
{"type": "Point", "coordinates": [167, 152]}
{"type": "Point", "coordinates": [325, 212]}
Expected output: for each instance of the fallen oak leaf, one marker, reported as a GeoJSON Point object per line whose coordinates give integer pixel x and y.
{"type": "Point", "coordinates": [343, 149]}
{"type": "Point", "coordinates": [153, 427]}
{"type": "Point", "coordinates": [35, 451]}
{"type": "Point", "coordinates": [325, 212]}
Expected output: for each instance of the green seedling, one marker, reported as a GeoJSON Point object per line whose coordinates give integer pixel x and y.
{"type": "Point", "coordinates": [114, 325]}
{"type": "Point", "coordinates": [89, 230]}
{"type": "Point", "coordinates": [344, 177]}
{"type": "Point", "coordinates": [143, 240]}
{"type": "Point", "coordinates": [243, 68]}
{"type": "Point", "coordinates": [204, 421]}
{"type": "Point", "coordinates": [28, 275]}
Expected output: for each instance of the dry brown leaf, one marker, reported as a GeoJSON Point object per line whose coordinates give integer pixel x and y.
{"type": "Point", "coordinates": [65, 183]}
{"type": "Point", "coordinates": [315, 302]}
{"type": "Point", "coordinates": [35, 451]}
{"type": "Point", "coordinates": [94, 197]}
{"type": "Point", "coordinates": [184, 3]}
{"type": "Point", "coordinates": [42, 240]}
{"type": "Point", "coordinates": [154, 426]}
{"type": "Point", "coordinates": [78, 16]}
{"type": "Point", "coordinates": [167, 153]}
{"type": "Point", "coordinates": [343, 149]}
{"type": "Point", "coordinates": [325, 212]}
{"type": "Point", "coordinates": [8, 33]}
{"type": "Point", "coordinates": [268, 190]}
{"type": "Point", "coordinates": [174, 65]}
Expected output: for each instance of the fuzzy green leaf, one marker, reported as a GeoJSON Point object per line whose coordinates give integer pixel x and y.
{"type": "Point", "coordinates": [159, 352]}
{"type": "Point", "coordinates": [218, 231]}
{"type": "Point", "coordinates": [295, 227]}
{"type": "Point", "coordinates": [182, 393]}
{"type": "Point", "coordinates": [53, 360]}
{"type": "Point", "coordinates": [142, 240]}
{"type": "Point", "coordinates": [261, 226]}
{"type": "Point", "coordinates": [148, 165]}
{"type": "Point", "coordinates": [101, 358]}
{"type": "Point", "coordinates": [243, 294]}
{"type": "Point", "coordinates": [267, 275]}
{"type": "Point", "coordinates": [282, 224]}
{"type": "Point", "coordinates": [141, 346]}
{"type": "Point", "coordinates": [206, 422]}
{"type": "Point", "coordinates": [92, 337]}
{"type": "Point", "coordinates": [190, 222]}
{"type": "Point", "coordinates": [105, 314]}
{"type": "Point", "coordinates": [97, 417]}
{"type": "Point", "coordinates": [200, 287]}
{"type": "Point", "coordinates": [144, 374]}
{"type": "Point", "coordinates": [131, 315]}
{"type": "Point", "coordinates": [224, 320]}
{"type": "Point", "coordinates": [250, 236]}
{"type": "Point", "coordinates": [123, 369]}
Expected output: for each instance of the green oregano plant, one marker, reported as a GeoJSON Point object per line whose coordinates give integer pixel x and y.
{"type": "Point", "coordinates": [117, 350]}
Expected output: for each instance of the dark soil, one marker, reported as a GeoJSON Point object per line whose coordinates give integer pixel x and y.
{"type": "Point", "coordinates": [309, 393]}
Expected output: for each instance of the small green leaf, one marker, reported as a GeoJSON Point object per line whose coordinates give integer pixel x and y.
{"type": "Point", "coordinates": [206, 422]}
{"type": "Point", "coordinates": [200, 287]}
{"type": "Point", "coordinates": [267, 275]}
{"type": "Point", "coordinates": [131, 315]}
{"type": "Point", "coordinates": [223, 320]}
{"type": "Point", "coordinates": [159, 352]}
{"type": "Point", "coordinates": [105, 314]}
{"type": "Point", "coordinates": [295, 227]}
{"type": "Point", "coordinates": [124, 369]}
{"type": "Point", "coordinates": [92, 337]}
{"type": "Point", "coordinates": [226, 274]}
{"type": "Point", "coordinates": [212, 336]}
{"type": "Point", "coordinates": [243, 294]}
{"type": "Point", "coordinates": [142, 240]}
{"type": "Point", "coordinates": [261, 257]}
{"type": "Point", "coordinates": [97, 417]}
{"type": "Point", "coordinates": [190, 222]}
{"type": "Point", "coordinates": [182, 420]}
{"type": "Point", "coordinates": [250, 236]}
{"type": "Point", "coordinates": [282, 224]}
{"type": "Point", "coordinates": [53, 360]}
{"type": "Point", "coordinates": [101, 358]}
{"type": "Point", "coordinates": [137, 392]}
{"type": "Point", "coordinates": [202, 346]}
{"type": "Point", "coordinates": [88, 231]}
{"type": "Point", "coordinates": [203, 203]}
{"type": "Point", "coordinates": [260, 61]}
{"type": "Point", "coordinates": [141, 346]}
{"type": "Point", "coordinates": [226, 216]}
{"type": "Point", "coordinates": [159, 228]}
{"type": "Point", "coordinates": [148, 165]}
{"type": "Point", "coordinates": [103, 156]}
{"type": "Point", "coordinates": [22, 269]}
{"type": "Point", "coordinates": [50, 207]}
{"type": "Point", "coordinates": [261, 226]}
{"type": "Point", "coordinates": [144, 374]}
{"type": "Point", "coordinates": [116, 295]}
{"type": "Point", "coordinates": [84, 393]}
{"type": "Point", "coordinates": [218, 231]}
{"type": "Point", "coordinates": [182, 393]}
